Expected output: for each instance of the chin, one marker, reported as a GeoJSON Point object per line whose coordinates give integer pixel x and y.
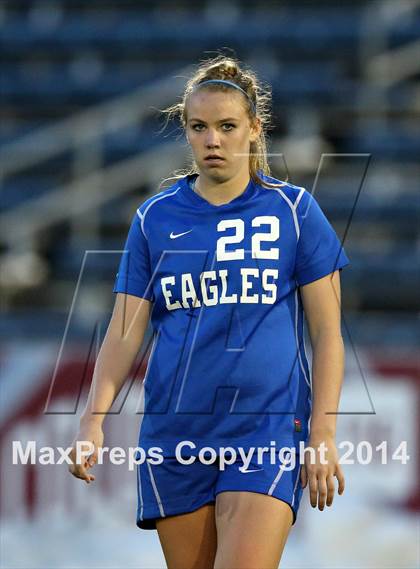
{"type": "Point", "coordinates": [218, 177]}
{"type": "Point", "coordinates": [216, 174]}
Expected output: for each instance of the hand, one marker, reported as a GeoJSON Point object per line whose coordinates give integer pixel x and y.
{"type": "Point", "coordinates": [321, 476]}
{"type": "Point", "coordinates": [94, 434]}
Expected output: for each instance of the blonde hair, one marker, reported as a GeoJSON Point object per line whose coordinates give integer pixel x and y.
{"type": "Point", "coordinates": [256, 97]}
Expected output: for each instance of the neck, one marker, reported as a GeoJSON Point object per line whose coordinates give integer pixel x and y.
{"type": "Point", "coordinates": [219, 193]}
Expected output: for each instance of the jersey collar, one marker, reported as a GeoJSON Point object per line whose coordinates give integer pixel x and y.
{"type": "Point", "coordinates": [192, 196]}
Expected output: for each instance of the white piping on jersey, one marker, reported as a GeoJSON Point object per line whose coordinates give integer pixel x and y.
{"type": "Point", "coordinates": [155, 490]}
{"type": "Point", "coordinates": [297, 340]}
{"type": "Point", "coordinates": [293, 207]}
{"type": "Point", "coordinates": [303, 341]}
{"type": "Point", "coordinates": [277, 478]}
{"type": "Point", "coordinates": [140, 492]}
{"type": "Point", "coordinates": [296, 483]}
{"type": "Point", "coordinates": [157, 198]}
{"type": "Point", "coordinates": [299, 197]}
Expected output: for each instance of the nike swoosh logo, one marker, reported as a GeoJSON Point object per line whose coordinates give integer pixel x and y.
{"type": "Point", "coordinates": [251, 470]}
{"type": "Point", "coordinates": [175, 235]}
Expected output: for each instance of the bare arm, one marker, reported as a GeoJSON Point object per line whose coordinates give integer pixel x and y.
{"type": "Point", "coordinates": [322, 305]}
{"type": "Point", "coordinates": [321, 301]}
{"type": "Point", "coordinates": [119, 349]}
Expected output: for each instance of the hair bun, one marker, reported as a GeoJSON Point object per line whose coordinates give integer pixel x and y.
{"type": "Point", "coordinates": [229, 69]}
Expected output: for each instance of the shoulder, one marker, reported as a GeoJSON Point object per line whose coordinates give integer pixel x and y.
{"type": "Point", "coordinates": [158, 198]}
{"type": "Point", "coordinates": [286, 191]}
{"type": "Point", "coordinates": [153, 204]}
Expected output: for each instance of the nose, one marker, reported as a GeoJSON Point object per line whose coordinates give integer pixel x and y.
{"type": "Point", "coordinates": [212, 138]}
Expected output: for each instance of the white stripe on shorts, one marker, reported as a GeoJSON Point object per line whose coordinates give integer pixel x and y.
{"type": "Point", "coordinates": [155, 490]}
{"type": "Point", "coordinates": [140, 492]}
{"type": "Point", "coordinates": [277, 478]}
{"type": "Point", "coordinates": [296, 483]}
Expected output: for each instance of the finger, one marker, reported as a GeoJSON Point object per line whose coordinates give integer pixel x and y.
{"type": "Point", "coordinates": [79, 472]}
{"type": "Point", "coordinates": [93, 459]}
{"type": "Point", "coordinates": [340, 477]}
{"type": "Point", "coordinates": [86, 451]}
{"type": "Point", "coordinates": [86, 462]}
{"type": "Point", "coordinates": [313, 489]}
{"type": "Point", "coordinates": [330, 489]}
{"type": "Point", "coordinates": [322, 491]}
{"type": "Point", "coordinates": [303, 476]}
{"type": "Point", "coordinates": [88, 478]}
{"type": "Point", "coordinates": [78, 461]}
{"type": "Point", "coordinates": [79, 475]}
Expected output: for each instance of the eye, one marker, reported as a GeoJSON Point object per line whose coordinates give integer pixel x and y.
{"type": "Point", "coordinates": [198, 127]}
{"type": "Point", "coordinates": [228, 126]}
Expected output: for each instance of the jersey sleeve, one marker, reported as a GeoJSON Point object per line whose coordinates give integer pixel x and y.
{"type": "Point", "coordinates": [134, 272]}
{"type": "Point", "coordinates": [319, 250]}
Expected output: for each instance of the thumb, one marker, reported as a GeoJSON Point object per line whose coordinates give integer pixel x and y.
{"type": "Point", "coordinates": [303, 476]}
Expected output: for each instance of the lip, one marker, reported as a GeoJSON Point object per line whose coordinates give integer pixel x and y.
{"type": "Point", "coordinates": [213, 157]}
{"type": "Point", "coordinates": [214, 161]}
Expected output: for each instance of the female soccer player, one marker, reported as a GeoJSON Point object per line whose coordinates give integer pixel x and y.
{"type": "Point", "coordinates": [227, 261]}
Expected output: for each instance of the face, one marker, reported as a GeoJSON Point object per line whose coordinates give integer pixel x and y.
{"type": "Point", "coordinates": [218, 125]}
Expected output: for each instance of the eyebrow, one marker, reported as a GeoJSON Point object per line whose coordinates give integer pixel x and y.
{"type": "Point", "coordinates": [222, 120]}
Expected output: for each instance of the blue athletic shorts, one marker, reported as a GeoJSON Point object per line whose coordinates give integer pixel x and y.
{"type": "Point", "coordinates": [172, 488]}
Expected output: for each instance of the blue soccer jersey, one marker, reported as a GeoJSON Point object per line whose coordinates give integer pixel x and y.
{"type": "Point", "coordinates": [228, 365]}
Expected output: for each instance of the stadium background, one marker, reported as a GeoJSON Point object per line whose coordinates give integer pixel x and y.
{"type": "Point", "coordinates": [81, 148]}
